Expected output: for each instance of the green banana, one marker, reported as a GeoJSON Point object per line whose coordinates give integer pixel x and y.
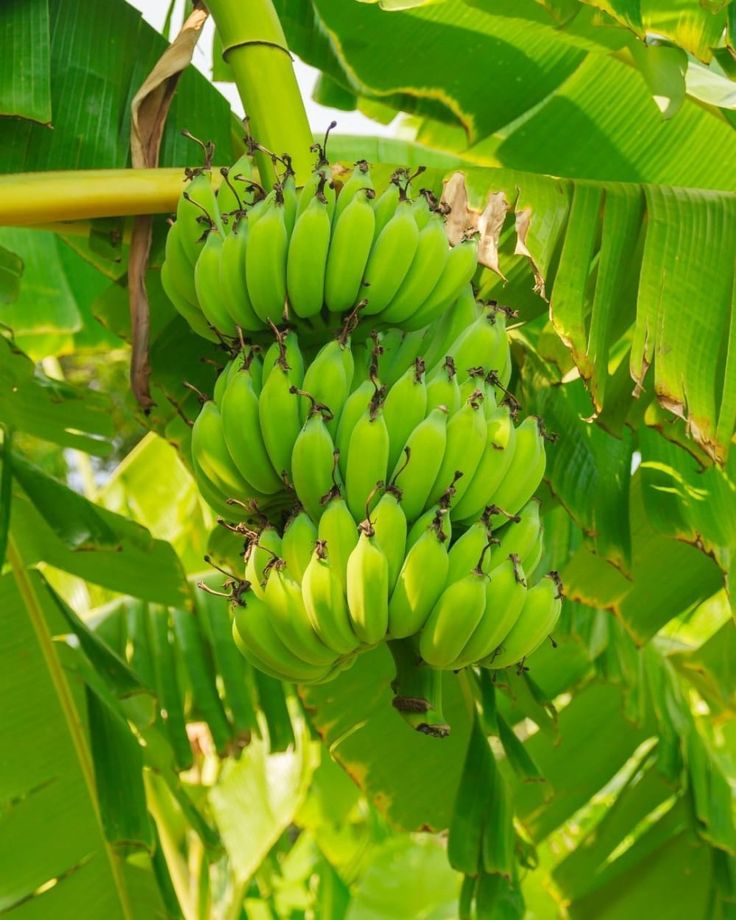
{"type": "Point", "coordinates": [538, 618]}
{"type": "Point", "coordinates": [483, 344]}
{"type": "Point", "coordinates": [265, 262]}
{"type": "Point", "coordinates": [196, 211]}
{"type": "Point", "coordinates": [424, 273]}
{"type": "Point", "coordinates": [228, 199]}
{"type": "Point", "coordinates": [328, 378]}
{"type": "Point", "coordinates": [402, 358]}
{"type": "Point", "coordinates": [213, 496]}
{"type": "Point", "coordinates": [384, 206]}
{"type": "Point", "coordinates": [443, 388]}
{"type": "Point", "coordinates": [337, 528]}
{"type": "Point", "coordinates": [420, 582]}
{"type": "Point", "coordinates": [389, 523]}
{"type": "Point", "coordinates": [523, 539]}
{"type": "Point", "coordinates": [528, 464]}
{"type": "Point", "coordinates": [257, 639]}
{"type": "Point", "coordinates": [233, 281]}
{"type": "Point", "coordinates": [285, 349]}
{"type": "Point", "coordinates": [367, 459]}
{"type": "Point", "coordinates": [367, 587]}
{"type": "Point", "coordinates": [505, 596]}
{"type": "Point", "coordinates": [453, 620]}
{"type": "Point", "coordinates": [463, 312]}
{"type": "Point", "coordinates": [436, 516]}
{"type": "Point", "coordinates": [494, 465]}
{"type": "Point", "coordinates": [260, 554]}
{"type": "Point", "coordinates": [461, 265]}
{"type": "Point", "coordinates": [350, 248]}
{"type": "Point", "coordinates": [391, 255]}
{"type": "Point", "coordinates": [291, 198]}
{"type": "Point", "coordinates": [416, 472]}
{"type": "Point", "coordinates": [307, 258]}
{"type": "Point", "coordinates": [278, 413]}
{"type": "Point", "coordinates": [297, 542]}
{"type": "Point", "coordinates": [209, 449]}
{"type": "Point", "coordinates": [290, 621]}
{"type": "Point", "coordinates": [191, 313]}
{"type": "Point", "coordinates": [355, 406]}
{"type": "Point", "coordinates": [207, 284]}
{"type": "Point", "coordinates": [466, 442]}
{"type": "Point", "coordinates": [323, 588]}
{"type": "Point", "coordinates": [467, 550]}
{"type": "Point", "coordinates": [312, 461]}
{"type": "Point", "coordinates": [242, 431]}
{"type": "Point", "coordinates": [404, 408]}
{"type": "Point", "coordinates": [359, 179]}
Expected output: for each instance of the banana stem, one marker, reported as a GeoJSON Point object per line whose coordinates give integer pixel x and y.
{"type": "Point", "coordinates": [417, 690]}
{"type": "Point", "coordinates": [255, 48]}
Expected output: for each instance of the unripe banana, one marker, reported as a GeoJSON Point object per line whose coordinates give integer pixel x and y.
{"type": "Point", "coordinates": [323, 588]}
{"type": "Point", "coordinates": [421, 580]}
{"type": "Point", "coordinates": [355, 406]}
{"type": "Point", "coordinates": [260, 556]}
{"type": "Point", "coordinates": [410, 348]}
{"type": "Point", "coordinates": [523, 539]}
{"type": "Point", "coordinates": [213, 496]}
{"type": "Point", "coordinates": [404, 408]}
{"type": "Point", "coordinates": [285, 349]}
{"type": "Point", "coordinates": [389, 523]}
{"type": "Point", "coordinates": [505, 597]}
{"type": "Point", "coordinates": [278, 413]}
{"type": "Point", "coordinates": [338, 529]}
{"type": "Point", "coordinates": [196, 211]}
{"type": "Point", "coordinates": [438, 517]}
{"type": "Point", "coordinates": [359, 179]}
{"type": "Point", "coordinates": [384, 206]}
{"type": "Point", "coordinates": [460, 267]}
{"type": "Point", "coordinates": [291, 199]}
{"type": "Point", "coordinates": [494, 466]}
{"type": "Point", "coordinates": [229, 200]}
{"type": "Point", "coordinates": [416, 472]}
{"type": "Point", "coordinates": [221, 384]}
{"type": "Point", "coordinates": [265, 262]}
{"type": "Point", "coordinates": [482, 344]}
{"type": "Point", "coordinates": [367, 588]}
{"type": "Point", "coordinates": [242, 431]}
{"type": "Point", "coordinates": [350, 247]}
{"type": "Point", "coordinates": [300, 534]}
{"type": "Point", "coordinates": [367, 459]}
{"type": "Point", "coordinates": [424, 273]}
{"type": "Point", "coordinates": [387, 346]}
{"type": "Point", "coordinates": [312, 462]}
{"type": "Point", "coordinates": [328, 380]}
{"type": "Point", "coordinates": [453, 620]}
{"type": "Point", "coordinates": [538, 618]}
{"type": "Point", "coordinates": [463, 312]}
{"type": "Point", "coordinates": [307, 258]}
{"type": "Point", "coordinates": [443, 388]}
{"type": "Point", "coordinates": [232, 278]}
{"type": "Point", "coordinates": [466, 442]}
{"type": "Point", "coordinates": [207, 284]}
{"type": "Point", "coordinates": [528, 464]}
{"type": "Point", "coordinates": [209, 449]}
{"type": "Point", "coordinates": [390, 258]}
{"type": "Point", "coordinates": [468, 551]}
{"type": "Point", "coordinates": [259, 642]}
{"type": "Point", "coordinates": [190, 312]}
{"type": "Point", "coordinates": [290, 620]}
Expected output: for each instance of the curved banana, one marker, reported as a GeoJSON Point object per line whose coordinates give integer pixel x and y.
{"type": "Point", "coordinates": [528, 464]}
{"type": "Point", "coordinates": [323, 588]}
{"type": "Point", "coordinates": [384, 206]}
{"type": "Point", "coordinates": [209, 449]}
{"type": "Point", "coordinates": [453, 620]}
{"type": "Point", "coordinates": [327, 379]}
{"type": "Point", "coordinates": [437, 516]}
{"type": "Point", "coordinates": [404, 408]}
{"type": "Point", "coordinates": [494, 465]}
{"type": "Point", "coordinates": [391, 255]}
{"type": "Point", "coordinates": [290, 621]}
{"type": "Point", "coordinates": [463, 312]}
{"type": "Point", "coordinates": [367, 588]}
{"type": "Point", "coordinates": [367, 459]}
{"type": "Point", "coordinates": [312, 462]}
{"type": "Point", "coordinates": [233, 281]}
{"type": "Point", "coordinates": [197, 211]}
{"type": "Point", "coordinates": [265, 262]}
{"type": "Point", "coordinates": [355, 406]}
{"type": "Point", "coordinates": [389, 523]}
{"type": "Point", "coordinates": [505, 597]}
{"type": "Point", "coordinates": [416, 472]}
{"type": "Point", "coordinates": [260, 556]}
{"type": "Point", "coordinates": [307, 258]}
{"type": "Point", "coordinates": [411, 347]}
{"type": "Point", "coordinates": [421, 580]}
{"type": "Point", "coordinates": [300, 534]}
{"type": "Point", "coordinates": [216, 499]}
{"type": "Point", "coordinates": [350, 247]}
{"type": "Point", "coordinates": [443, 388]}
{"type": "Point", "coordinates": [470, 551]}
{"type": "Point", "coordinates": [191, 313]}
{"type": "Point", "coordinates": [424, 273]}
{"type": "Point", "coordinates": [359, 179]}
{"type": "Point", "coordinates": [338, 529]}
{"type": "Point", "coordinates": [466, 442]}
{"type": "Point", "coordinates": [481, 344]}
{"type": "Point", "coordinates": [538, 618]}
{"type": "Point", "coordinates": [241, 428]}
{"type": "Point", "coordinates": [278, 413]}
{"type": "Point", "coordinates": [523, 538]}
{"type": "Point", "coordinates": [291, 198]}
{"type": "Point", "coordinates": [207, 284]}
{"type": "Point", "coordinates": [461, 265]}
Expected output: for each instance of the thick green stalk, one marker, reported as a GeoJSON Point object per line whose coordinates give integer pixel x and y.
{"type": "Point", "coordinates": [255, 47]}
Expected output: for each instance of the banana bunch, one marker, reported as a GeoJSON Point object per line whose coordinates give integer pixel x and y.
{"type": "Point", "coordinates": [240, 260]}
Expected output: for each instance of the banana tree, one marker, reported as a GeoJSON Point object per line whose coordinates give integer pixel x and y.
{"type": "Point", "coordinates": [149, 769]}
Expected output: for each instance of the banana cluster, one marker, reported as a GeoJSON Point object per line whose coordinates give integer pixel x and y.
{"type": "Point", "coordinates": [239, 262]}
